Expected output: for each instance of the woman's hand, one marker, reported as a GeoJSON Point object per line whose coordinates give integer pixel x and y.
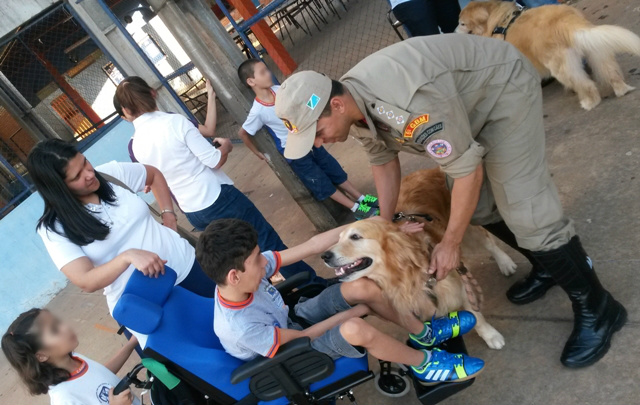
{"type": "Point", "coordinates": [150, 264]}
{"type": "Point", "coordinates": [211, 93]}
{"type": "Point", "coordinates": [445, 257]}
{"type": "Point", "coordinates": [124, 398]}
{"type": "Point", "coordinates": [225, 145]}
{"type": "Point", "coordinates": [412, 227]}
{"type": "Point", "coordinates": [170, 220]}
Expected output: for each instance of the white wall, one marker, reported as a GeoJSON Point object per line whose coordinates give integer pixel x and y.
{"type": "Point", "coordinates": [13, 13]}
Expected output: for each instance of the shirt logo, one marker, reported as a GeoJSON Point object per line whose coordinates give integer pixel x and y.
{"type": "Point", "coordinates": [313, 101]}
{"type": "Point", "coordinates": [413, 125]}
{"type": "Point", "coordinates": [426, 134]}
{"type": "Point", "coordinates": [271, 290]}
{"type": "Point", "coordinates": [439, 148]}
{"type": "Point", "coordinates": [292, 128]}
{"type": "Point", "coordinates": [102, 393]}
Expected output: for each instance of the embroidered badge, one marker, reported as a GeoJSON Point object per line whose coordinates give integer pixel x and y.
{"type": "Point", "coordinates": [381, 110]}
{"type": "Point", "coordinates": [439, 148]}
{"type": "Point", "coordinates": [413, 125]}
{"type": "Point", "coordinates": [426, 134]}
{"type": "Point", "coordinates": [400, 119]}
{"type": "Point", "coordinates": [292, 128]}
{"type": "Point", "coordinates": [313, 101]}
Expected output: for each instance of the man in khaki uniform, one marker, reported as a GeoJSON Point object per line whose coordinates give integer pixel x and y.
{"type": "Point", "coordinates": [474, 106]}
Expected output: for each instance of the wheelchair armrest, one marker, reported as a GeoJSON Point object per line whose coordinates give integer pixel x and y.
{"type": "Point", "coordinates": [290, 349]}
{"type": "Point", "coordinates": [292, 282]}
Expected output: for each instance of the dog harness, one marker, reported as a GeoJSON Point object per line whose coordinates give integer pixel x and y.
{"type": "Point", "coordinates": [502, 30]}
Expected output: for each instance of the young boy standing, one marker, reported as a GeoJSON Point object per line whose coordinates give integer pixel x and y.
{"type": "Point", "coordinates": [251, 318]}
{"type": "Point", "coordinates": [318, 170]}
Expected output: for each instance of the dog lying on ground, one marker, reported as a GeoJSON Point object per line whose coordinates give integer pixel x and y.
{"type": "Point", "coordinates": [398, 262]}
{"type": "Point", "coordinates": [556, 39]}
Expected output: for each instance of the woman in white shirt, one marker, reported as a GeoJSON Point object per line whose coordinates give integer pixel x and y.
{"type": "Point", "coordinates": [99, 233]}
{"type": "Point", "coordinates": [41, 349]}
{"type": "Point", "coordinates": [192, 166]}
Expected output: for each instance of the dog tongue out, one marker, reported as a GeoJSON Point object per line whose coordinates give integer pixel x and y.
{"type": "Point", "coordinates": [340, 271]}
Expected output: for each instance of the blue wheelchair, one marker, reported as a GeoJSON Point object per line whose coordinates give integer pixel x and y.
{"type": "Point", "coordinates": [181, 344]}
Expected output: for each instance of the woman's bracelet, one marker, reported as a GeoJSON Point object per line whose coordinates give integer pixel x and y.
{"type": "Point", "coordinates": [168, 212]}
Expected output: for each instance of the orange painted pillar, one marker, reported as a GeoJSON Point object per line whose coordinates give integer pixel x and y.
{"type": "Point", "coordinates": [70, 91]}
{"type": "Point", "coordinates": [267, 38]}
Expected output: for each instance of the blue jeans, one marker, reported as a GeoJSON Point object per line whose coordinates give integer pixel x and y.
{"type": "Point", "coordinates": [320, 172]}
{"type": "Point", "coordinates": [231, 203]}
{"type": "Point", "coordinates": [428, 17]}
{"type": "Point", "coordinates": [199, 283]}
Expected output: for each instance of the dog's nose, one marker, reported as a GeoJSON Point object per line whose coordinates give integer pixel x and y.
{"type": "Point", "coordinates": [326, 256]}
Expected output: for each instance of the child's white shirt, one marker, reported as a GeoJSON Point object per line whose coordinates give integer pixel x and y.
{"type": "Point", "coordinates": [89, 386]}
{"type": "Point", "coordinates": [264, 114]}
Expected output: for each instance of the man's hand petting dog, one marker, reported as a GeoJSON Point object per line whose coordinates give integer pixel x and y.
{"type": "Point", "coordinates": [412, 227]}
{"type": "Point", "coordinates": [444, 258]}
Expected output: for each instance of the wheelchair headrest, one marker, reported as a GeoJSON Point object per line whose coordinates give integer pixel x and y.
{"type": "Point", "coordinates": [140, 306]}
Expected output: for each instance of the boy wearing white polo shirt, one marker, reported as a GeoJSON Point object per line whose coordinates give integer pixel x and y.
{"type": "Point", "coordinates": [318, 170]}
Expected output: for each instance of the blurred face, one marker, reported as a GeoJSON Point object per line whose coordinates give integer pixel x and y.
{"type": "Point", "coordinates": [261, 77]}
{"type": "Point", "coordinates": [57, 338]}
{"type": "Point", "coordinates": [335, 127]}
{"type": "Point", "coordinates": [254, 271]}
{"type": "Point", "coordinates": [80, 177]}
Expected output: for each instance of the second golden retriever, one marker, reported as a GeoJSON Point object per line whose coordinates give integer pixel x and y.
{"type": "Point", "coordinates": [556, 39]}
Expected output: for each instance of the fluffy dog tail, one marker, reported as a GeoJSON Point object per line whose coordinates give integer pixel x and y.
{"type": "Point", "coordinates": [606, 39]}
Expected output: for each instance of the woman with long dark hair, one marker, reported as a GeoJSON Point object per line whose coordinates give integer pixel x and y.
{"type": "Point", "coordinates": [98, 233]}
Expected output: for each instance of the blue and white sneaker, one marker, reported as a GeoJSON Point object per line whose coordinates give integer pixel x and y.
{"type": "Point", "coordinates": [445, 328]}
{"type": "Point", "coordinates": [447, 367]}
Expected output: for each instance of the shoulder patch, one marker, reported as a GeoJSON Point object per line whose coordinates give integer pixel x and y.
{"type": "Point", "coordinates": [415, 124]}
{"type": "Point", "coordinates": [439, 148]}
{"type": "Point", "coordinates": [422, 137]}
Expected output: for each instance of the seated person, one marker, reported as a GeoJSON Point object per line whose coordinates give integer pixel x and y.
{"type": "Point", "coordinates": [40, 348]}
{"type": "Point", "coordinates": [318, 170]}
{"type": "Point", "coordinates": [251, 319]}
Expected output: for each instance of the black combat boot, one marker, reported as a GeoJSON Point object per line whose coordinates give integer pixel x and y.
{"type": "Point", "coordinates": [536, 283]}
{"type": "Point", "coordinates": [596, 314]}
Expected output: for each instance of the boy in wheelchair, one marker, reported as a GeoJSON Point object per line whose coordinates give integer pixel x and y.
{"type": "Point", "coordinates": [251, 318]}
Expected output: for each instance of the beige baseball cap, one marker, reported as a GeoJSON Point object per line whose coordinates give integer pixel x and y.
{"type": "Point", "coordinates": [300, 101]}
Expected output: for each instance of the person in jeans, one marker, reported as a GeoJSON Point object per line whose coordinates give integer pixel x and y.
{"type": "Point", "coordinates": [192, 166]}
{"type": "Point", "coordinates": [427, 17]}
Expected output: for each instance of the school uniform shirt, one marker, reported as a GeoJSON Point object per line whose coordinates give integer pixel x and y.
{"type": "Point", "coordinates": [264, 114]}
{"type": "Point", "coordinates": [174, 145]}
{"type": "Point", "coordinates": [131, 227]}
{"type": "Point", "coordinates": [251, 328]}
{"type": "Point", "coordinates": [89, 385]}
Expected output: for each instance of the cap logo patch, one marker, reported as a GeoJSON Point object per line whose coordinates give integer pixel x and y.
{"type": "Point", "coordinates": [413, 125]}
{"type": "Point", "coordinates": [313, 101]}
{"type": "Point", "coordinates": [292, 128]}
{"type": "Point", "coordinates": [439, 148]}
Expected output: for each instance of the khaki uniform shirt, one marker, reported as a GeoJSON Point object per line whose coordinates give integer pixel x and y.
{"type": "Point", "coordinates": [435, 95]}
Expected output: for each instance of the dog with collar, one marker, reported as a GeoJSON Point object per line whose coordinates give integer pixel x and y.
{"type": "Point", "coordinates": [557, 39]}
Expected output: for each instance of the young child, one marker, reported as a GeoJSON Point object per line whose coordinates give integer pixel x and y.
{"type": "Point", "coordinates": [40, 348]}
{"type": "Point", "coordinates": [251, 319]}
{"type": "Point", "coordinates": [318, 170]}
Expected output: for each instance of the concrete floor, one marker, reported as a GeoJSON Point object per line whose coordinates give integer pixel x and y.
{"type": "Point", "coordinates": [594, 158]}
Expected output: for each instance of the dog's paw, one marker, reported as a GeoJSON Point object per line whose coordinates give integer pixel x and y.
{"type": "Point", "coordinates": [622, 89]}
{"type": "Point", "coordinates": [589, 103]}
{"type": "Point", "coordinates": [493, 339]}
{"type": "Point", "coordinates": [506, 264]}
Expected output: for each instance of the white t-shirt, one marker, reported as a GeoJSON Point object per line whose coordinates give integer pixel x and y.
{"type": "Point", "coordinates": [396, 2]}
{"type": "Point", "coordinates": [90, 385]}
{"type": "Point", "coordinates": [174, 145]}
{"type": "Point", "coordinates": [262, 114]}
{"type": "Point", "coordinates": [132, 227]}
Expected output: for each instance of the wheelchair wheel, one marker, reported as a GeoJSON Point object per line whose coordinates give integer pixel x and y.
{"type": "Point", "coordinates": [392, 383]}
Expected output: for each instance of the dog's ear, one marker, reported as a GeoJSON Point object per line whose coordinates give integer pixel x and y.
{"type": "Point", "coordinates": [404, 252]}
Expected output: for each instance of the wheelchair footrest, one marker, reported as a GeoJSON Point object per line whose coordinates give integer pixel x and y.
{"type": "Point", "coordinates": [430, 395]}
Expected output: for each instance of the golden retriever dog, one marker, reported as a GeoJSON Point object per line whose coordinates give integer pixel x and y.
{"type": "Point", "coordinates": [398, 262]}
{"type": "Point", "coordinates": [556, 39]}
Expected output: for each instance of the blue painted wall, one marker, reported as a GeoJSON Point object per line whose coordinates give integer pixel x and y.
{"type": "Point", "coordinates": [29, 278]}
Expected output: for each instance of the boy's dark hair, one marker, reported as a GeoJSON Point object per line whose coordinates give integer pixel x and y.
{"type": "Point", "coordinates": [337, 89]}
{"type": "Point", "coordinates": [246, 69]}
{"type": "Point", "coordinates": [20, 345]}
{"type": "Point", "coordinates": [224, 245]}
{"type": "Point", "coordinates": [134, 94]}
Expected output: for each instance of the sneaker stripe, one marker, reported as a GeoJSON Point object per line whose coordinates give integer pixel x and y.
{"type": "Point", "coordinates": [437, 375]}
{"type": "Point", "coordinates": [460, 370]}
{"type": "Point", "coordinates": [444, 375]}
{"type": "Point", "coordinates": [430, 374]}
{"type": "Point", "coordinates": [455, 327]}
